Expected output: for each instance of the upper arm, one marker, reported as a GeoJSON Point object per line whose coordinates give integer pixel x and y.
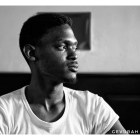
{"type": "Point", "coordinates": [117, 128]}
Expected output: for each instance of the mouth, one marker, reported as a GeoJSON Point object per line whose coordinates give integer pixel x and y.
{"type": "Point", "coordinates": [73, 67]}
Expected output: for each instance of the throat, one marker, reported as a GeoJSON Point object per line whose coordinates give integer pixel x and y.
{"type": "Point", "coordinates": [47, 97]}
{"type": "Point", "coordinates": [47, 107]}
{"type": "Point", "coordinates": [49, 113]}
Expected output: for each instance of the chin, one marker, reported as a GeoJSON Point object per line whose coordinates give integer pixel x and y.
{"type": "Point", "coordinates": [70, 79]}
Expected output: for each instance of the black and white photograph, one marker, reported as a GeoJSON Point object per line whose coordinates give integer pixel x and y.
{"type": "Point", "coordinates": [70, 69]}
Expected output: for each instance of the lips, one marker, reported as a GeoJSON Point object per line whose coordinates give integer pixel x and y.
{"type": "Point", "coordinates": [73, 66]}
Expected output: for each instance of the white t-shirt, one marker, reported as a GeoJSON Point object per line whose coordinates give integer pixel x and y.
{"type": "Point", "coordinates": [85, 113]}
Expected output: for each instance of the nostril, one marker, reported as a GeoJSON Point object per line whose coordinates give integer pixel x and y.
{"type": "Point", "coordinates": [72, 57]}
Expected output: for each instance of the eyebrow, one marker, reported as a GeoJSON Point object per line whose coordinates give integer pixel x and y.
{"type": "Point", "coordinates": [67, 41]}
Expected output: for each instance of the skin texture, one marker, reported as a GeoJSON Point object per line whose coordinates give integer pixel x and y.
{"type": "Point", "coordinates": [58, 51]}
{"type": "Point", "coordinates": [53, 62]}
{"type": "Point", "coordinates": [117, 129]}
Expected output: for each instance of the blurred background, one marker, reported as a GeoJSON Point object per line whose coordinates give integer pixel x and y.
{"type": "Point", "coordinates": [109, 53]}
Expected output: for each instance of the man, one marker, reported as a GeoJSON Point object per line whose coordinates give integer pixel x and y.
{"type": "Point", "coordinates": [46, 106]}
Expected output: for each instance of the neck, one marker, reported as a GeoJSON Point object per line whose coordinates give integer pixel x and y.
{"type": "Point", "coordinates": [44, 90]}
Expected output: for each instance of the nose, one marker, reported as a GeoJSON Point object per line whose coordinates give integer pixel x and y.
{"type": "Point", "coordinates": [72, 56]}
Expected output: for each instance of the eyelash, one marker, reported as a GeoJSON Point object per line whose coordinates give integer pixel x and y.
{"type": "Point", "coordinates": [66, 47]}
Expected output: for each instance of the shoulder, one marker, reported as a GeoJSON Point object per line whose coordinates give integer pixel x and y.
{"type": "Point", "coordinates": [99, 115]}
{"type": "Point", "coordinates": [9, 108]}
{"type": "Point", "coordinates": [85, 97]}
{"type": "Point", "coordinates": [10, 99]}
{"type": "Point", "coordinates": [11, 103]}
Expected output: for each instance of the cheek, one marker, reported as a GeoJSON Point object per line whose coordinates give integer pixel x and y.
{"type": "Point", "coordinates": [44, 65]}
{"type": "Point", "coordinates": [50, 63]}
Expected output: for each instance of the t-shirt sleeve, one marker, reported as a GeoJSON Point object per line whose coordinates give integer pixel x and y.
{"type": "Point", "coordinates": [104, 116]}
{"type": "Point", "coordinates": [3, 119]}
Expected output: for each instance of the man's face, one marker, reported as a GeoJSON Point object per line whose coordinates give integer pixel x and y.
{"type": "Point", "coordinates": [57, 58]}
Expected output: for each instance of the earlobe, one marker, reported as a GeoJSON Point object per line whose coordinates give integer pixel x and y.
{"type": "Point", "coordinates": [29, 52]}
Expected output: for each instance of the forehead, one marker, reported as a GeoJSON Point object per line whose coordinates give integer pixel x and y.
{"type": "Point", "coordinates": [63, 32]}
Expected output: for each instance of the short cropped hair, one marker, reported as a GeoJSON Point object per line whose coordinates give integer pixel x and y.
{"type": "Point", "coordinates": [38, 25]}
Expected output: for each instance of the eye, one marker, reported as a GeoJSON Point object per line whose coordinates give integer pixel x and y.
{"type": "Point", "coordinates": [74, 47]}
{"type": "Point", "coordinates": [62, 47]}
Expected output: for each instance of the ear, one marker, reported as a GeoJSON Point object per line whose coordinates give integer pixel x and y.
{"type": "Point", "coordinates": [29, 52]}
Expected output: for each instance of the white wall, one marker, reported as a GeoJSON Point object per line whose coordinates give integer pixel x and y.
{"type": "Point", "coordinates": [115, 38]}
